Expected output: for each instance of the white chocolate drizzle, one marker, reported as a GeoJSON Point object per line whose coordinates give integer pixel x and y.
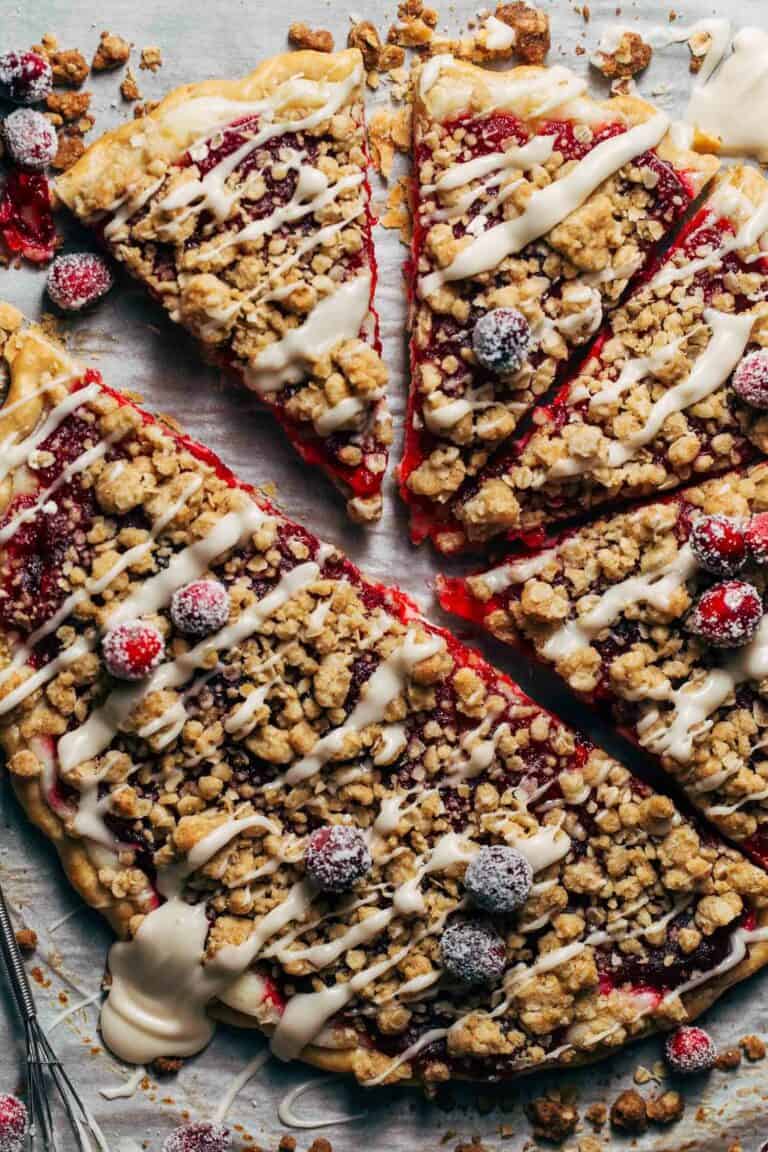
{"type": "Point", "coordinates": [291, 1120]}
{"type": "Point", "coordinates": [730, 106]}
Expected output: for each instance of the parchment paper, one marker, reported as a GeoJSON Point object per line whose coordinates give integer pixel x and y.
{"type": "Point", "coordinates": [136, 347]}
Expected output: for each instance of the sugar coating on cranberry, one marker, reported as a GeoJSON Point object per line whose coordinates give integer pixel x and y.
{"type": "Point", "coordinates": [719, 544]}
{"type": "Point", "coordinates": [498, 878]}
{"type": "Point", "coordinates": [200, 608]}
{"type": "Point", "coordinates": [750, 380]}
{"type": "Point", "coordinates": [200, 1137]}
{"type": "Point", "coordinates": [30, 139]}
{"type": "Point", "coordinates": [756, 537]}
{"type": "Point", "coordinates": [727, 615]}
{"type": "Point", "coordinates": [25, 77]}
{"type": "Point", "coordinates": [336, 857]}
{"type": "Point", "coordinates": [473, 952]}
{"type": "Point", "coordinates": [132, 650]}
{"type": "Point", "coordinates": [13, 1123]}
{"type": "Point", "coordinates": [688, 1050]}
{"type": "Point", "coordinates": [501, 340]}
{"type": "Point", "coordinates": [78, 280]}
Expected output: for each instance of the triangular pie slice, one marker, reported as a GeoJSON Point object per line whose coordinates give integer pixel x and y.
{"type": "Point", "coordinates": [529, 196]}
{"type": "Point", "coordinates": [653, 406]}
{"type": "Point", "coordinates": [244, 207]}
{"type": "Point", "coordinates": [616, 608]}
{"type": "Point", "coordinates": [282, 785]}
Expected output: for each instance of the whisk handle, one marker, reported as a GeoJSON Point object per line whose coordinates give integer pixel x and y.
{"type": "Point", "coordinates": [14, 963]}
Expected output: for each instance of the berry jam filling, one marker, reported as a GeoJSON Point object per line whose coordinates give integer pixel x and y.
{"type": "Point", "coordinates": [26, 217]}
{"type": "Point", "coordinates": [666, 967]}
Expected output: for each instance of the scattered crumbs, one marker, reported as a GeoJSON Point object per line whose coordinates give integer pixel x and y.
{"type": "Point", "coordinates": [586, 13]}
{"type": "Point", "coordinates": [630, 56]}
{"type": "Point", "coordinates": [728, 1059]}
{"type": "Point", "coordinates": [580, 50]}
{"type": "Point", "coordinates": [68, 106]}
{"type": "Point", "coordinates": [166, 1065]}
{"type": "Point", "coordinates": [26, 938]}
{"type": "Point", "coordinates": [665, 1108]}
{"type": "Point", "coordinates": [300, 35]}
{"type": "Point", "coordinates": [377, 57]}
{"type": "Point", "coordinates": [112, 52]}
{"type": "Point", "coordinates": [69, 67]}
{"type": "Point", "coordinates": [590, 1144]}
{"type": "Point", "coordinates": [628, 1112]}
{"type": "Point", "coordinates": [320, 1144]}
{"type": "Point", "coordinates": [151, 58]}
{"type": "Point", "coordinates": [144, 109]}
{"type": "Point", "coordinates": [416, 25]}
{"type": "Point", "coordinates": [71, 148]}
{"type": "Point", "coordinates": [388, 131]}
{"type": "Point", "coordinates": [659, 1069]}
{"type": "Point", "coordinates": [129, 89]}
{"type": "Point", "coordinates": [753, 1048]}
{"type": "Point", "coordinates": [287, 1144]}
{"type": "Point", "coordinates": [551, 1119]}
{"type": "Point", "coordinates": [642, 1075]}
{"type": "Point", "coordinates": [63, 998]}
{"type": "Point", "coordinates": [40, 977]}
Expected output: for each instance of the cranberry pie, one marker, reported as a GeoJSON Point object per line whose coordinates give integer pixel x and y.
{"type": "Point", "coordinates": [662, 398]}
{"type": "Point", "coordinates": [243, 205]}
{"type": "Point", "coordinates": [534, 207]}
{"type": "Point", "coordinates": [301, 805]}
{"type": "Point", "coordinates": [658, 612]}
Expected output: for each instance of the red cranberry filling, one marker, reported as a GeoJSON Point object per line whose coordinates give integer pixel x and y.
{"type": "Point", "coordinates": [26, 217]}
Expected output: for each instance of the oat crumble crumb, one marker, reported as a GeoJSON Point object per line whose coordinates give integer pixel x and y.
{"type": "Point", "coordinates": [666, 1108]}
{"type": "Point", "coordinates": [112, 52]}
{"type": "Point", "coordinates": [129, 89]}
{"type": "Point", "coordinates": [628, 1112]}
{"type": "Point", "coordinates": [552, 1119]}
{"type": "Point", "coordinates": [69, 67]}
{"type": "Point", "coordinates": [300, 35]}
{"type": "Point", "coordinates": [151, 58]}
{"type": "Point", "coordinates": [26, 938]}
{"type": "Point", "coordinates": [753, 1047]}
{"type": "Point", "coordinates": [728, 1059]}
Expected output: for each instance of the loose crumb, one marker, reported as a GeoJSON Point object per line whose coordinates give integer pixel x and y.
{"type": "Point", "coordinates": [388, 131]}
{"type": "Point", "coordinates": [129, 89]}
{"type": "Point", "coordinates": [144, 109]}
{"type": "Point", "coordinates": [26, 938]}
{"type": "Point", "coordinates": [396, 215]}
{"type": "Point", "coordinates": [551, 1119]}
{"type": "Point", "coordinates": [167, 1065]}
{"type": "Point", "coordinates": [320, 1144]}
{"type": "Point", "coordinates": [113, 51]}
{"type": "Point", "coordinates": [415, 27]}
{"type": "Point", "coordinates": [597, 1114]}
{"type": "Point", "coordinates": [728, 1059]}
{"type": "Point", "coordinates": [71, 148]}
{"type": "Point", "coordinates": [628, 1112]}
{"type": "Point", "coordinates": [300, 35]}
{"type": "Point", "coordinates": [666, 1108]}
{"type": "Point", "coordinates": [151, 58]}
{"type": "Point", "coordinates": [69, 67]}
{"type": "Point", "coordinates": [753, 1048]}
{"type": "Point", "coordinates": [68, 106]}
{"type": "Point", "coordinates": [630, 57]}
{"type": "Point", "coordinates": [287, 1144]}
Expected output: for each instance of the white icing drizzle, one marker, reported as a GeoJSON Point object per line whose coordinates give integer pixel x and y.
{"type": "Point", "coordinates": [98, 731]}
{"type": "Point", "coordinates": [548, 206]}
{"type": "Point", "coordinates": [13, 452]}
{"type": "Point", "coordinates": [715, 33]}
{"type": "Point", "coordinates": [655, 587]}
{"type": "Point", "coordinates": [550, 844]}
{"type": "Point", "coordinates": [728, 201]}
{"type": "Point", "coordinates": [160, 985]}
{"type": "Point", "coordinates": [427, 1038]}
{"type": "Point", "coordinates": [536, 151]}
{"type": "Point", "coordinates": [71, 1009]}
{"type": "Point", "coordinates": [128, 1087]}
{"type": "Point", "coordinates": [251, 1069]}
{"type": "Point", "coordinates": [730, 106]}
{"type": "Point", "coordinates": [516, 571]}
{"type": "Point", "coordinates": [127, 207]}
{"type": "Point", "coordinates": [242, 721]}
{"type": "Point", "coordinates": [337, 317]}
{"type": "Point", "coordinates": [378, 692]}
{"type": "Point", "coordinates": [291, 1120]}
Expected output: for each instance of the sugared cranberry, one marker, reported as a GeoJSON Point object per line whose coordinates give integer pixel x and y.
{"type": "Point", "coordinates": [25, 77]}
{"type": "Point", "coordinates": [727, 614]}
{"type": "Point", "coordinates": [690, 1050]}
{"type": "Point", "coordinates": [132, 650]}
{"type": "Point", "coordinates": [473, 952]}
{"type": "Point", "coordinates": [756, 536]}
{"type": "Point", "coordinates": [77, 281]}
{"type": "Point", "coordinates": [501, 340]}
{"type": "Point", "coordinates": [498, 879]}
{"type": "Point", "coordinates": [719, 544]}
{"type": "Point", "coordinates": [337, 856]}
{"type": "Point", "coordinates": [200, 1137]}
{"type": "Point", "coordinates": [30, 139]}
{"type": "Point", "coordinates": [13, 1123]}
{"type": "Point", "coordinates": [200, 608]}
{"type": "Point", "coordinates": [750, 380]}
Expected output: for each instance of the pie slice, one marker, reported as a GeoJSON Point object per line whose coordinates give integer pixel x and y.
{"type": "Point", "coordinates": [654, 405]}
{"type": "Point", "coordinates": [301, 805]}
{"type": "Point", "coordinates": [534, 207]}
{"type": "Point", "coordinates": [658, 614]}
{"type": "Point", "coordinates": [244, 207]}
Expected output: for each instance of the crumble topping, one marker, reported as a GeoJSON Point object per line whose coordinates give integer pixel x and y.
{"type": "Point", "coordinates": [112, 52]}
{"type": "Point", "coordinates": [300, 35]}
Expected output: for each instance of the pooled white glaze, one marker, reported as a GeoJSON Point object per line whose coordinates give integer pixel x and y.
{"type": "Point", "coordinates": [549, 206]}
{"type": "Point", "coordinates": [731, 106]}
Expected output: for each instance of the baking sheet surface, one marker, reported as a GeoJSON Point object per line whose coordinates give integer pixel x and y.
{"type": "Point", "coordinates": [136, 347]}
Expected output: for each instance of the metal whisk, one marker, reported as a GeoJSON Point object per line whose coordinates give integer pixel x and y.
{"type": "Point", "coordinates": [43, 1066]}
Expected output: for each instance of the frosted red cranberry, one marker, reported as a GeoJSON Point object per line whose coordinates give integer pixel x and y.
{"type": "Point", "coordinates": [498, 879]}
{"type": "Point", "coordinates": [756, 536]}
{"type": "Point", "coordinates": [13, 1123]}
{"type": "Point", "coordinates": [727, 614]}
{"type": "Point", "coordinates": [501, 340]}
{"type": "Point", "coordinates": [719, 544]}
{"type": "Point", "coordinates": [30, 139]}
{"type": "Point", "coordinates": [132, 650]}
{"type": "Point", "coordinates": [200, 1137]}
{"type": "Point", "coordinates": [77, 281]}
{"type": "Point", "coordinates": [690, 1050]}
{"type": "Point", "coordinates": [337, 856]}
{"type": "Point", "coordinates": [750, 380]}
{"type": "Point", "coordinates": [200, 608]}
{"type": "Point", "coordinates": [473, 952]}
{"type": "Point", "coordinates": [25, 77]}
